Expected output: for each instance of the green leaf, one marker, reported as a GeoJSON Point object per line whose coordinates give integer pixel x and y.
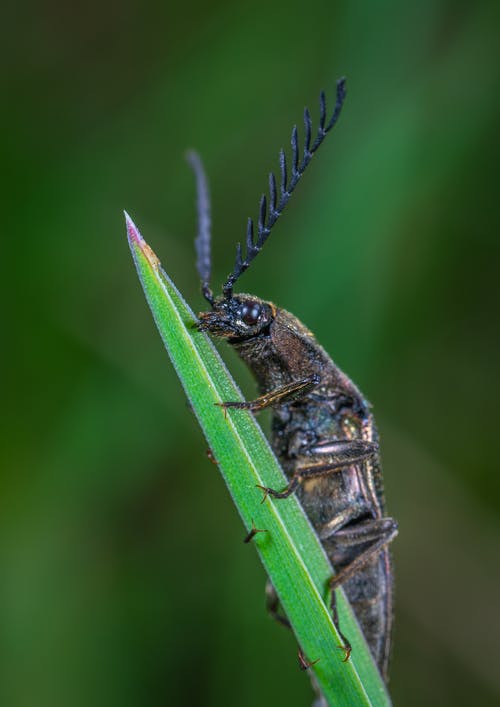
{"type": "Point", "coordinates": [290, 550]}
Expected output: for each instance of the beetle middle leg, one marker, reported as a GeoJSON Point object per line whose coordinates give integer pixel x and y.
{"type": "Point", "coordinates": [342, 453]}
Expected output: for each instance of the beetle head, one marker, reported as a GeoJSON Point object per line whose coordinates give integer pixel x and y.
{"type": "Point", "coordinates": [237, 317]}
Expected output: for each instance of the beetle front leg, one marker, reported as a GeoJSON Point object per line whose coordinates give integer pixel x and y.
{"type": "Point", "coordinates": [286, 394]}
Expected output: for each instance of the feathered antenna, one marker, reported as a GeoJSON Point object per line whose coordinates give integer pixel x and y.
{"type": "Point", "coordinates": [265, 224]}
{"type": "Point", "coordinates": [202, 241]}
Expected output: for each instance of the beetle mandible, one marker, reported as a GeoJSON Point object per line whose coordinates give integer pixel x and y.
{"type": "Point", "coordinates": [323, 431]}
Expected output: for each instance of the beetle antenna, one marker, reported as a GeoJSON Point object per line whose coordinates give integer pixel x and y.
{"type": "Point", "coordinates": [203, 239]}
{"type": "Point", "coordinates": [268, 215]}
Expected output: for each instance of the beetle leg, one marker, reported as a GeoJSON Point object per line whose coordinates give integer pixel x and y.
{"type": "Point", "coordinates": [305, 664]}
{"type": "Point", "coordinates": [287, 394]}
{"type": "Point", "coordinates": [366, 531]}
{"type": "Point", "coordinates": [292, 486]}
{"type": "Point", "coordinates": [342, 453]}
{"type": "Point", "coordinates": [253, 532]}
{"type": "Point", "coordinates": [378, 532]}
{"type": "Point", "coordinates": [346, 644]}
{"type": "Point", "coordinates": [272, 605]}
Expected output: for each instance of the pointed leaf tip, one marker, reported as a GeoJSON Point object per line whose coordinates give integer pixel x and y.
{"type": "Point", "coordinates": [133, 232]}
{"type": "Point", "coordinates": [138, 244]}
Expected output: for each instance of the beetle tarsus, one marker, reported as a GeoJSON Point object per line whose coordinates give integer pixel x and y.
{"type": "Point", "coordinates": [224, 406]}
{"type": "Point", "coordinates": [347, 648]}
{"type": "Point", "coordinates": [305, 664]}
{"type": "Point", "coordinates": [346, 644]}
{"type": "Point", "coordinates": [253, 532]}
{"type": "Point", "coordinates": [210, 455]}
{"type": "Point", "coordinates": [266, 491]}
{"type": "Point", "coordinates": [292, 486]}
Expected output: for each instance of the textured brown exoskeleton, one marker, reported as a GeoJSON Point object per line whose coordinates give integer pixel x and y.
{"type": "Point", "coordinates": [322, 429]}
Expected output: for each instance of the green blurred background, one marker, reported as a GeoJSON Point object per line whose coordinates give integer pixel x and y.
{"type": "Point", "coordinates": [124, 580]}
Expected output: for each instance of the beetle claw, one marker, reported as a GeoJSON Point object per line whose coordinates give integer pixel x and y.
{"type": "Point", "coordinates": [253, 532]}
{"type": "Point", "coordinates": [305, 664]}
{"type": "Point", "coordinates": [266, 491]}
{"type": "Point", "coordinates": [347, 652]}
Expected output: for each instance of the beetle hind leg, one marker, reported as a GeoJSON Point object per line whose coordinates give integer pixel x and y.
{"type": "Point", "coordinates": [374, 534]}
{"type": "Point", "coordinates": [273, 605]}
{"type": "Point", "coordinates": [377, 533]}
{"type": "Point", "coordinates": [346, 644]}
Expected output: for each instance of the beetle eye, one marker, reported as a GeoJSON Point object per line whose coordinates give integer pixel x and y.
{"type": "Point", "coordinates": [250, 313]}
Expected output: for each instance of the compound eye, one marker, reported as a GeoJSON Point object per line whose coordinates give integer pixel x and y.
{"type": "Point", "coordinates": [250, 313]}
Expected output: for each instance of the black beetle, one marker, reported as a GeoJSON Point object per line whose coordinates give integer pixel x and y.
{"type": "Point", "coordinates": [323, 431]}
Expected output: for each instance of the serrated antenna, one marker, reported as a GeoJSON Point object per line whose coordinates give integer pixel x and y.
{"type": "Point", "coordinates": [203, 239]}
{"type": "Point", "coordinates": [269, 214]}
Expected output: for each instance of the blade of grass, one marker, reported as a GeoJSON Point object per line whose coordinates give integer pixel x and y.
{"type": "Point", "coordinates": [290, 550]}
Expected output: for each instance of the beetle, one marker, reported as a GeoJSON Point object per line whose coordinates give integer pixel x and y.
{"type": "Point", "coordinates": [323, 431]}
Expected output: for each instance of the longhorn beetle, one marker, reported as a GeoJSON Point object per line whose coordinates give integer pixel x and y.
{"type": "Point", "coordinates": [323, 431]}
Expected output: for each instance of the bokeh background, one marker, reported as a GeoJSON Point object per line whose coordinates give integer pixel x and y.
{"type": "Point", "coordinates": [124, 580]}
